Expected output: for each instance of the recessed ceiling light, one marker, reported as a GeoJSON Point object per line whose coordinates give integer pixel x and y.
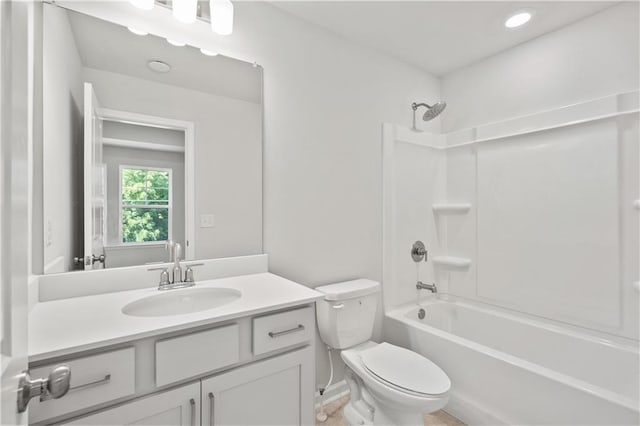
{"type": "Point", "coordinates": [159, 66]}
{"type": "Point", "coordinates": [176, 43]}
{"type": "Point", "coordinates": [208, 52]}
{"type": "Point", "coordinates": [518, 19]}
{"type": "Point", "coordinates": [137, 31]}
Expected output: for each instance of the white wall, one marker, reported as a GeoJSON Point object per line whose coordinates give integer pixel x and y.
{"type": "Point", "coordinates": [325, 101]}
{"type": "Point", "coordinates": [591, 58]}
{"type": "Point", "coordinates": [62, 138]}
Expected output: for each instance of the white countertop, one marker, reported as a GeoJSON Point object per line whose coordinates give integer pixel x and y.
{"type": "Point", "coordinates": [61, 327]}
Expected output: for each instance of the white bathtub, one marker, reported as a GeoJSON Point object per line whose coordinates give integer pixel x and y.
{"type": "Point", "coordinates": [514, 369]}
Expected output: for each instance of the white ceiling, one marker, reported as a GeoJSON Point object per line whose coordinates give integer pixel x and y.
{"type": "Point", "coordinates": [109, 47]}
{"type": "Point", "coordinates": [438, 36]}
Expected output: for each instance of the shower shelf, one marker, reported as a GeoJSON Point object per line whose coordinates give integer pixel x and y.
{"type": "Point", "coordinates": [451, 208]}
{"type": "Point", "coordinates": [452, 262]}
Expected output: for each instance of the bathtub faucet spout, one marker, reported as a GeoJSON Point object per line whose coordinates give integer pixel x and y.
{"type": "Point", "coordinates": [433, 288]}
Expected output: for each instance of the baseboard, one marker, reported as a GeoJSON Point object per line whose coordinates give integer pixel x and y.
{"type": "Point", "coordinates": [470, 413]}
{"type": "Point", "coordinates": [332, 393]}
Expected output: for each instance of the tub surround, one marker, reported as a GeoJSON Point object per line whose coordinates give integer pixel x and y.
{"type": "Point", "coordinates": [502, 347]}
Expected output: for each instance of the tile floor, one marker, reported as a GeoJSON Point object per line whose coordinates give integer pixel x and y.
{"type": "Point", "coordinates": [334, 411]}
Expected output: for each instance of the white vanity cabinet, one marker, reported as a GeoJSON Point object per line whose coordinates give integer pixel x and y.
{"type": "Point", "coordinates": [251, 370]}
{"type": "Point", "coordinates": [264, 393]}
{"type": "Point", "coordinates": [177, 407]}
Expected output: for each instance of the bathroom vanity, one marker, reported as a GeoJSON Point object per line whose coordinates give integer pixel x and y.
{"type": "Point", "coordinates": [250, 360]}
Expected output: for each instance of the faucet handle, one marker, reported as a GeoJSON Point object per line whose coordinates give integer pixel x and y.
{"type": "Point", "coordinates": [188, 273]}
{"type": "Point", "coordinates": [164, 275]}
{"type": "Point", "coordinates": [419, 252]}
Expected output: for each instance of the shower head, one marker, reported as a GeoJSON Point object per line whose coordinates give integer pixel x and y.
{"type": "Point", "coordinates": [432, 111]}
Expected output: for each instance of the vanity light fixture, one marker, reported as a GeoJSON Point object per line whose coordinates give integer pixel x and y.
{"type": "Point", "coordinates": [143, 4]}
{"type": "Point", "coordinates": [208, 52]}
{"type": "Point", "coordinates": [176, 43]}
{"type": "Point", "coordinates": [221, 16]}
{"type": "Point", "coordinates": [188, 11]}
{"type": "Point", "coordinates": [159, 66]}
{"type": "Point", "coordinates": [518, 19]}
{"type": "Point", "coordinates": [185, 10]}
{"type": "Point", "coordinates": [137, 31]}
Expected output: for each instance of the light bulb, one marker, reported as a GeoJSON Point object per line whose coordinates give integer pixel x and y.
{"type": "Point", "coordinates": [176, 43]}
{"type": "Point", "coordinates": [185, 10]}
{"type": "Point", "coordinates": [137, 31]}
{"type": "Point", "coordinates": [208, 52]}
{"type": "Point", "coordinates": [221, 16]}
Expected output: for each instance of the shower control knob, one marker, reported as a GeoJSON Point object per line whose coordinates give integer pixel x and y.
{"type": "Point", "coordinates": [418, 252]}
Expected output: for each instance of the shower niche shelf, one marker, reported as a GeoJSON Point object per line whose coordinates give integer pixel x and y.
{"type": "Point", "coordinates": [451, 208]}
{"type": "Point", "coordinates": [452, 262]}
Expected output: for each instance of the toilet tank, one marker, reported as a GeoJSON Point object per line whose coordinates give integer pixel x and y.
{"type": "Point", "coordinates": [347, 312]}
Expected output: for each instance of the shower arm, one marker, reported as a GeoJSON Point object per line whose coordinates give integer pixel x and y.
{"type": "Point", "coordinates": [415, 106]}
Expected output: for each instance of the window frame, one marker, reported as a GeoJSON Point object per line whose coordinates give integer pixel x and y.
{"type": "Point", "coordinates": [169, 206]}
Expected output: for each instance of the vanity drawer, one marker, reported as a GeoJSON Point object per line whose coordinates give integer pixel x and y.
{"type": "Point", "coordinates": [276, 331]}
{"type": "Point", "coordinates": [181, 357]}
{"type": "Point", "coordinates": [94, 379]}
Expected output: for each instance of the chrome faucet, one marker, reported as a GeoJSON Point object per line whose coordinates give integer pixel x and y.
{"type": "Point", "coordinates": [433, 288]}
{"type": "Point", "coordinates": [173, 279]}
{"type": "Point", "coordinates": [177, 269]}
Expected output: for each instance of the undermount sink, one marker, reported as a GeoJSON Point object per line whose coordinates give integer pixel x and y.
{"type": "Point", "coordinates": [184, 301]}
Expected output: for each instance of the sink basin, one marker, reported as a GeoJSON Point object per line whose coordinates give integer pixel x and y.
{"type": "Point", "coordinates": [184, 301]}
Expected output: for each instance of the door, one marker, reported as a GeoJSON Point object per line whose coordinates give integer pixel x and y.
{"type": "Point", "coordinates": [278, 391]}
{"type": "Point", "coordinates": [177, 407]}
{"type": "Point", "coordinates": [94, 183]}
{"type": "Point", "coordinates": [15, 106]}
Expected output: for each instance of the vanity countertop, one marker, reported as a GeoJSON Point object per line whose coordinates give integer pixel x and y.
{"type": "Point", "coordinates": [61, 327]}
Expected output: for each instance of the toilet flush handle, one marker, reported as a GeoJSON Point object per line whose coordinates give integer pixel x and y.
{"type": "Point", "coordinates": [338, 306]}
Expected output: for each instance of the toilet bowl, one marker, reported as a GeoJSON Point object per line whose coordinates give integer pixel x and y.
{"type": "Point", "coordinates": [389, 385]}
{"type": "Point", "coordinates": [398, 385]}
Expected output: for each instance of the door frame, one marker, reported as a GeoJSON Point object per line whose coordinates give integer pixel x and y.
{"type": "Point", "coordinates": [189, 162]}
{"type": "Point", "coordinates": [17, 45]}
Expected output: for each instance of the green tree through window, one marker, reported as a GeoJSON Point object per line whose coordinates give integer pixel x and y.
{"type": "Point", "coordinates": [146, 205]}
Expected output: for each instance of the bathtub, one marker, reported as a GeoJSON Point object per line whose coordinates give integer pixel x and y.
{"type": "Point", "coordinates": [508, 368]}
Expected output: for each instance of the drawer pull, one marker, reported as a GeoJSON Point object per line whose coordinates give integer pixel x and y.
{"type": "Point", "coordinates": [193, 411]}
{"type": "Point", "coordinates": [211, 408]}
{"type": "Point", "coordinates": [273, 334]}
{"type": "Point", "coordinates": [100, 382]}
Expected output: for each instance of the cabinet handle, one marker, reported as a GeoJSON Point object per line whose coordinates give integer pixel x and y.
{"type": "Point", "coordinates": [99, 382]}
{"type": "Point", "coordinates": [211, 412]}
{"type": "Point", "coordinates": [193, 411]}
{"type": "Point", "coordinates": [273, 334]}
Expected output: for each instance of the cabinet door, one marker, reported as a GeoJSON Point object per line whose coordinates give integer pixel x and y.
{"type": "Point", "coordinates": [177, 407]}
{"type": "Point", "coordinates": [277, 391]}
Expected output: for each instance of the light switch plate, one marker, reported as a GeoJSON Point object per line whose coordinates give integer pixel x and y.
{"type": "Point", "coordinates": [206, 221]}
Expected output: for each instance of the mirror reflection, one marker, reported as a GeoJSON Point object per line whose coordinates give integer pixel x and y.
{"type": "Point", "coordinates": [146, 141]}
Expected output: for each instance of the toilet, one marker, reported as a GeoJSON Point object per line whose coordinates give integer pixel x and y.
{"type": "Point", "coordinates": [389, 385]}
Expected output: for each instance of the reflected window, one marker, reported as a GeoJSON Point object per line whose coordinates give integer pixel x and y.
{"type": "Point", "coordinates": [145, 204]}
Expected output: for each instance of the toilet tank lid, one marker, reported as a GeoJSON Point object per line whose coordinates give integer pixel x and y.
{"type": "Point", "coordinates": [349, 289]}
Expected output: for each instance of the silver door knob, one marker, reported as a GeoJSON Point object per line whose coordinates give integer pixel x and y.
{"type": "Point", "coordinates": [55, 386]}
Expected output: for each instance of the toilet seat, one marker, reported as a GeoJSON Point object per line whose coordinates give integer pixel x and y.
{"type": "Point", "coordinates": [405, 370]}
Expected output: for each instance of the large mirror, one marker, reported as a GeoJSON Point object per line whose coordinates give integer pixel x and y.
{"type": "Point", "coordinates": [145, 141]}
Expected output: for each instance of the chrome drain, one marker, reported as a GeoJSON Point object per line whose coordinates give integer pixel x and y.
{"type": "Point", "coordinates": [422, 313]}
